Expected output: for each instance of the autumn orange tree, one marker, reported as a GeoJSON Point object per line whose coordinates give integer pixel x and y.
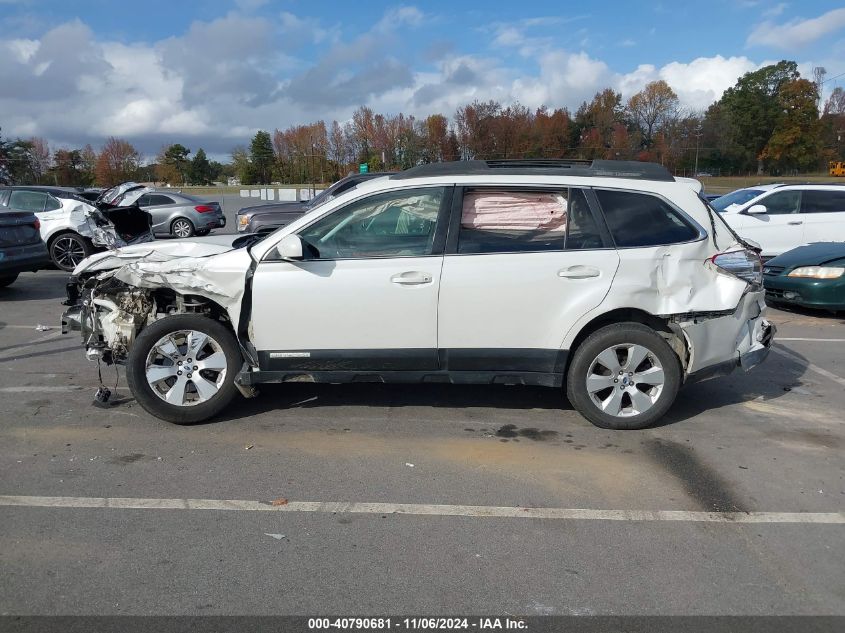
{"type": "Point", "coordinates": [117, 162]}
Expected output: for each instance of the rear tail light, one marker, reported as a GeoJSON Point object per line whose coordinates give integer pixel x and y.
{"type": "Point", "coordinates": [37, 224]}
{"type": "Point", "coordinates": [743, 264]}
{"type": "Point", "coordinates": [203, 208]}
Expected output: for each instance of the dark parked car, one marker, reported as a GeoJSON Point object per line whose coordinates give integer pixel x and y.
{"type": "Point", "coordinates": [266, 218]}
{"type": "Point", "coordinates": [811, 276]}
{"type": "Point", "coordinates": [21, 247]}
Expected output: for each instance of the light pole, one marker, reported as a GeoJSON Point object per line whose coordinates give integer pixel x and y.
{"type": "Point", "coordinates": [697, 139]}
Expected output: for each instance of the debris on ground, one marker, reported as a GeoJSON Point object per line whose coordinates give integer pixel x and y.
{"type": "Point", "coordinates": [42, 328]}
{"type": "Point", "coordinates": [409, 464]}
{"type": "Point", "coordinates": [281, 501]}
{"type": "Point", "coordinates": [250, 447]}
{"type": "Point", "coordinates": [278, 537]}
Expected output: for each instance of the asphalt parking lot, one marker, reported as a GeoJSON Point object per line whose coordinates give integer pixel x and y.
{"type": "Point", "coordinates": [378, 499]}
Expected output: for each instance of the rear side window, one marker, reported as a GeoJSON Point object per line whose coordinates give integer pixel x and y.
{"type": "Point", "coordinates": [52, 204]}
{"type": "Point", "coordinates": [159, 199]}
{"type": "Point", "coordinates": [28, 200]}
{"type": "Point", "coordinates": [639, 219]}
{"type": "Point", "coordinates": [823, 202]}
{"type": "Point", "coordinates": [508, 221]}
{"type": "Point", "coordinates": [4, 198]}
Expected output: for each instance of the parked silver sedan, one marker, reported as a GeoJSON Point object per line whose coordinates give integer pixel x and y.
{"type": "Point", "coordinates": [177, 214]}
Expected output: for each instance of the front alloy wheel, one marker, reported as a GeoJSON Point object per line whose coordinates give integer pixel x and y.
{"type": "Point", "coordinates": [186, 368]}
{"type": "Point", "coordinates": [182, 368]}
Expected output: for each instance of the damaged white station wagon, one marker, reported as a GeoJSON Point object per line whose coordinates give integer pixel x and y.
{"type": "Point", "coordinates": [610, 278]}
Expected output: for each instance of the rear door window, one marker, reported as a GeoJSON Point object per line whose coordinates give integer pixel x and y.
{"type": "Point", "coordinates": [524, 220]}
{"type": "Point", "coordinates": [158, 199]}
{"type": "Point", "coordinates": [28, 200]}
{"type": "Point", "coordinates": [823, 201]}
{"type": "Point", "coordinates": [640, 219]}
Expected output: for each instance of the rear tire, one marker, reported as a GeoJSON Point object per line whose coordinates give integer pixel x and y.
{"type": "Point", "coordinates": [182, 228]}
{"type": "Point", "coordinates": [623, 376]}
{"type": "Point", "coordinates": [7, 280]}
{"type": "Point", "coordinates": [68, 249]}
{"type": "Point", "coordinates": [182, 368]}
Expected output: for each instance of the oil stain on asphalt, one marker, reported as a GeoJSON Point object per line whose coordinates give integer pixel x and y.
{"type": "Point", "coordinates": [510, 431]}
{"type": "Point", "coordinates": [700, 481]}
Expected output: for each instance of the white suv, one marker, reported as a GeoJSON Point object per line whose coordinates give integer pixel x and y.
{"type": "Point", "coordinates": [609, 278]}
{"type": "Point", "coordinates": [787, 216]}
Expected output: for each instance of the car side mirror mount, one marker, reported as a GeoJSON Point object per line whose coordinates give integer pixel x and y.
{"type": "Point", "coordinates": [289, 248]}
{"type": "Point", "coordinates": [756, 209]}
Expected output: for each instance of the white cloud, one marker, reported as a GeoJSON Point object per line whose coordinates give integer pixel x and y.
{"type": "Point", "coordinates": [776, 10]}
{"type": "Point", "coordinates": [697, 83]}
{"type": "Point", "coordinates": [796, 33]}
{"type": "Point", "coordinates": [222, 79]}
{"type": "Point", "coordinates": [400, 16]}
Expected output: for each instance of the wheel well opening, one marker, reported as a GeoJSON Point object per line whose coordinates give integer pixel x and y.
{"type": "Point", "coordinates": [632, 315]}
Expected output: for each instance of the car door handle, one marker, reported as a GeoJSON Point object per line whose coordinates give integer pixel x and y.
{"type": "Point", "coordinates": [411, 278]}
{"type": "Point", "coordinates": [796, 222]}
{"type": "Point", "coordinates": [579, 272]}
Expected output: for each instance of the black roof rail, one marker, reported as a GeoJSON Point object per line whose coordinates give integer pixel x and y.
{"type": "Point", "coordinates": [541, 167]}
{"type": "Point", "coordinates": [807, 182]}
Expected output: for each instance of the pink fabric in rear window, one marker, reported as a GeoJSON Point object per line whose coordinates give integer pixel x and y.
{"type": "Point", "coordinates": [503, 210]}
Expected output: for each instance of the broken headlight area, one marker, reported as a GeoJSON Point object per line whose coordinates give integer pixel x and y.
{"type": "Point", "coordinates": [110, 313]}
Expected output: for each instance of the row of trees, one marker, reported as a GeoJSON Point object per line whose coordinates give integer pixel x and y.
{"type": "Point", "coordinates": [767, 121]}
{"type": "Point", "coordinates": [30, 161]}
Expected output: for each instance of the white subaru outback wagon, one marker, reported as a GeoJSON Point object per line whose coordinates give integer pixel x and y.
{"type": "Point", "coordinates": [609, 279]}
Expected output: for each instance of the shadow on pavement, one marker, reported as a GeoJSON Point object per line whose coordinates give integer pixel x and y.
{"type": "Point", "coordinates": [770, 380]}
{"type": "Point", "coordinates": [36, 286]}
{"type": "Point", "coordinates": [305, 395]}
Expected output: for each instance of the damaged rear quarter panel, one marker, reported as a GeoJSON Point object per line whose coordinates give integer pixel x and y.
{"type": "Point", "coordinates": [678, 279]}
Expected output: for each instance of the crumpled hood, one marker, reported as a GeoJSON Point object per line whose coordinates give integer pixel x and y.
{"type": "Point", "coordinates": [157, 250]}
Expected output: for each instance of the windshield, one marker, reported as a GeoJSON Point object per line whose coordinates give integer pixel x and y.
{"type": "Point", "coordinates": [740, 196]}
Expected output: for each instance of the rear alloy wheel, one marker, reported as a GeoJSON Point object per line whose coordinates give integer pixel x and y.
{"type": "Point", "coordinates": [623, 376]}
{"type": "Point", "coordinates": [68, 249]}
{"type": "Point", "coordinates": [6, 280]}
{"type": "Point", "coordinates": [182, 227]}
{"type": "Point", "coordinates": [182, 368]}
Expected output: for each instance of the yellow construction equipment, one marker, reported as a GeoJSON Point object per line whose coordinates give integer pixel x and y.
{"type": "Point", "coordinates": [837, 168]}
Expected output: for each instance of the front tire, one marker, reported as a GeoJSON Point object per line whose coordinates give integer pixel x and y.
{"type": "Point", "coordinates": [182, 228]}
{"type": "Point", "coordinates": [182, 368]}
{"type": "Point", "coordinates": [68, 249]}
{"type": "Point", "coordinates": [623, 376]}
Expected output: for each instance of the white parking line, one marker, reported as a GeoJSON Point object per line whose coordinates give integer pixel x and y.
{"type": "Point", "coordinates": [340, 507]}
{"type": "Point", "coordinates": [814, 368]}
{"type": "Point", "coordinates": [38, 388]}
{"type": "Point", "coordinates": [815, 340]}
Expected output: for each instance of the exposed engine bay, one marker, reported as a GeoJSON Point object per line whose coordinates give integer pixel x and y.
{"type": "Point", "coordinates": [121, 292]}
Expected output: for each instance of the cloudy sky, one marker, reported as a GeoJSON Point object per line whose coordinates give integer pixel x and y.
{"type": "Point", "coordinates": [209, 73]}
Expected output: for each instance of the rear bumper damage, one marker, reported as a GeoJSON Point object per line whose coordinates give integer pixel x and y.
{"type": "Point", "coordinates": [720, 345]}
